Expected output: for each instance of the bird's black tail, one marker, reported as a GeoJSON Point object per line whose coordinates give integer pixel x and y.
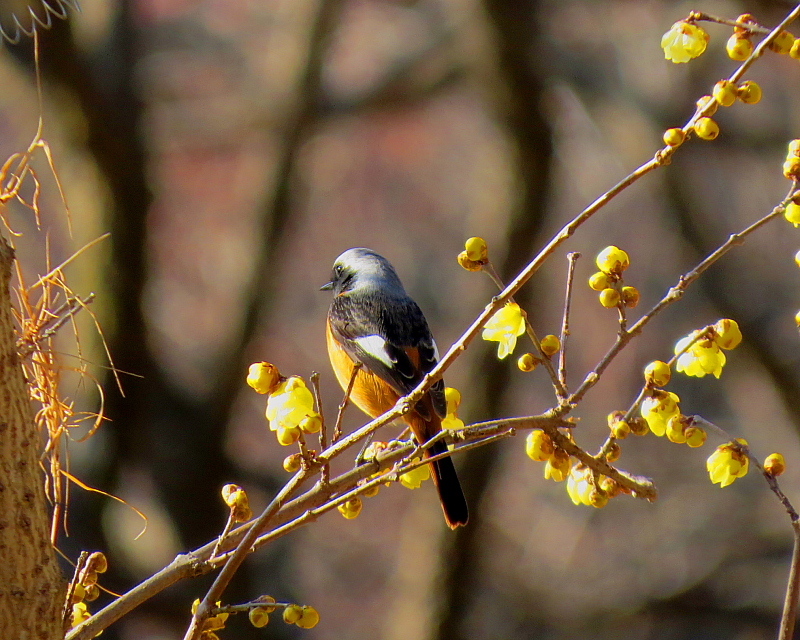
{"type": "Point", "coordinates": [454, 504]}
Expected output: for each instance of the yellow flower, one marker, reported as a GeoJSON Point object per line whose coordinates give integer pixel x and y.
{"type": "Point", "coordinates": [308, 619]}
{"type": "Point", "coordinates": [558, 466]}
{"type": "Point", "coordinates": [683, 42]}
{"type": "Point", "coordinates": [612, 260]}
{"type": "Point", "coordinates": [702, 358]}
{"type": "Point", "coordinates": [504, 327]}
{"type": "Point", "coordinates": [263, 376]}
{"type": "Point", "coordinates": [727, 334]}
{"type": "Point", "coordinates": [775, 464]}
{"type": "Point", "coordinates": [413, 479]}
{"type": "Point", "coordinates": [289, 404]}
{"type": "Point", "coordinates": [477, 249]}
{"type": "Point", "coordinates": [453, 399]}
{"type": "Point", "coordinates": [349, 510]}
{"type": "Point", "coordinates": [728, 463]}
{"type": "Point", "coordinates": [579, 485]}
{"type": "Point", "coordinates": [657, 373]}
{"type": "Point", "coordinates": [452, 421]}
{"type": "Point", "coordinates": [658, 409]}
{"type": "Point", "coordinates": [539, 446]}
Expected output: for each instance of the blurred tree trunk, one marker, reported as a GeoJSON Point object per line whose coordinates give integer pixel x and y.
{"type": "Point", "coordinates": [31, 585]}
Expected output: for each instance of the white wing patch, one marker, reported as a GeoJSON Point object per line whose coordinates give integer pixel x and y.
{"type": "Point", "coordinates": [435, 350]}
{"type": "Point", "coordinates": [375, 346]}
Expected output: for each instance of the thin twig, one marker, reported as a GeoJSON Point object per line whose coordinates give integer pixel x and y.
{"type": "Point", "coordinates": [562, 357]}
{"type": "Point", "coordinates": [561, 392]}
{"type": "Point", "coordinates": [696, 16]}
{"type": "Point", "coordinates": [323, 430]}
{"type": "Point", "coordinates": [673, 295]}
{"type": "Point", "coordinates": [337, 430]}
{"type": "Point", "coordinates": [244, 547]}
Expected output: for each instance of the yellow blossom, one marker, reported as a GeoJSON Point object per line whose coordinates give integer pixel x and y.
{"type": "Point", "coordinates": [728, 463]}
{"type": "Point", "coordinates": [477, 249]}
{"type": "Point", "coordinates": [349, 510]}
{"type": "Point", "coordinates": [504, 327]}
{"type": "Point", "coordinates": [657, 373]}
{"type": "Point", "coordinates": [579, 485]}
{"type": "Point", "coordinates": [453, 400]}
{"type": "Point", "coordinates": [539, 446]}
{"type": "Point", "coordinates": [308, 619]}
{"type": "Point", "coordinates": [612, 260]}
{"type": "Point", "coordinates": [702, 358]}
{"type": "Point", "coordinates": [727, 333]}
{"type": "Point", "coordinates": [294, 612]}
{"type": "Point", "coordinates": [413, 479]}
{"type": "Point", "coordinates": [658, 409]}
{"type": "Point", "coordinates": [558, 466]}
{"type": "Point", "coordinates": [263, 376]}
{"type": "Point", "coordinates": [775, 464]}
{"type": "Point", "coordinates": [452, 421]}
{"type": "Point", "coordinates": [289, 404]}
{"type": "Point", "coordinates": [683, 42]}
{"type": "Point", "coordinates": [792, 213]}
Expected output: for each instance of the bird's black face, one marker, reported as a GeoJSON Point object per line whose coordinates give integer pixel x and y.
{"type": "Point", "coordinates": [342, 279]}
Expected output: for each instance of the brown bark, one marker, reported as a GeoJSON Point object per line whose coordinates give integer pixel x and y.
{"type": "Point", "coordinates": [31, 584]}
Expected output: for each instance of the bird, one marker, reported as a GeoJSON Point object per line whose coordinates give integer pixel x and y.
{"type": "Point", "coordinates": [374, 322]}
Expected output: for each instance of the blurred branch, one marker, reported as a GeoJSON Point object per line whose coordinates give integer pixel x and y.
{"type": "Point", "coordinates": [38, 14]}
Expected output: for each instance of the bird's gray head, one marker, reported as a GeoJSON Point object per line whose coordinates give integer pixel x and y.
{"type": "Point", "coordinates": [361, 270]}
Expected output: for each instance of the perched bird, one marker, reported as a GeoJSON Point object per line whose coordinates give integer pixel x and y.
{"type": "Point", "coordinates": [373, 321]}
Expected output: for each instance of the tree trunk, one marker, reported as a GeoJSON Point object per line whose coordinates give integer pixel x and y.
{"type": "Point", "coordinates": [31, 585]}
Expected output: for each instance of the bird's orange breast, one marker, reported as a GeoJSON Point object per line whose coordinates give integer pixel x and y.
{"type": "Point", "coordinates": [370, 393]}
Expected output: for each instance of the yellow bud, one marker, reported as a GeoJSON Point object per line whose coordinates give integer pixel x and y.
{"type": "Point", "coordinates": [797, 258]}
{"type": "Point", "coordinates": [797, 318]}
{"type": "Point", "coordinates": [782, 43]}
{"type": "Point", "coordinates": [749, 92]}
{"type": "Point", "coordinates": [558, 466]}
{"type": "Point", "coordinates": [609, 486]}
{"type": "Point", "coordinates": [311, 424]}
{"type": "Point", "coordinates": [609, 298]}
{"type": "Point", "coordinates": [791, 169]}
{"type": "Point", "coordinates": [477, 250]}
{"type": "Point", "coordinates": [527, 362]}
{"type": "Point", "coordinates": [745, 18]}
{"type": "Point", "coordinates": [727, 334]}
{"type": "Point", "coordinates": [288, 436]}
{"type": "Point", "coordinates": [466, 263]}
{"type": "Point", "coordinates": [792, 213]}
{"type": "Point", "coordinates": [350, 509]}
{"type": "Point", "coordinates": [292, 613]}
{"type": "Point", "coordinates": [676, 427]}
{"type": "Point", "coordinates": [794, 52]}
{"type": "Point", "coordinates": [292, 463]}
{"type": "Point", "coordinates": [263, 377]}
{"type": "Point", "coordinates": [195, 605]}
{"type": "Point", "coordinates": [706, 128]}
{"type": "Point", "coordinates": [258, 617]}
{"type": "Point", "coordinates": [707, 105]}
{"type": "Point", "coordinates": [630, 297]}
{"type": "Point", "coordinates": [598, 500]}
{"type": "Point", "coordinates": [612, 260]}
{"type": "Point", "coordinates": [230, 494]}
{"type": "Point", "coordinates": [79, 593]}
{"type": "Point", "coordinates": [97, 562]}
{"type": "Point", "coordinates": [600, 281]}
{"type": "Point", "coordinates": [775, 464]}
{"type": "Point", "coordinates": [793, 148]}
{"type": "Point", "coordinates": [739, 48]}
{"type": "Point", "coordinates": [621, 429]}
{"type": "Point", "coordinates": [550, 345]}
{"type": "Point", "coordinates": [657, 373]}
{"type": "Point", "coordinates": [308, 619]}
{"type": "Point", "coordinates": [453, 398]}
{"type": "Point", "coordinates": [674, 138]}
{"type": "Point", "coordinates": [538, 446]}
{"type": "Point", "coordinates": [725, 93]}
{"type": "Point", "coordinates": [613, 452]}
{"type": "Point", "coordinates": [695, 436]}
{"type": "Point", "coordinates": [639, 426]}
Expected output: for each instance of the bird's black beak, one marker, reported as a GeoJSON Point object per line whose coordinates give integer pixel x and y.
{"type": "Point", "coordinates": [326, 287]}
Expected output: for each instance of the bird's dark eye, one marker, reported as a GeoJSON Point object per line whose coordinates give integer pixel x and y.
{"type": "Point", "coordinates": [338, 270]}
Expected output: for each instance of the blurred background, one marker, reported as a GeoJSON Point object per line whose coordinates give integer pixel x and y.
{"type": "Point", "coordinates": [234, 148]}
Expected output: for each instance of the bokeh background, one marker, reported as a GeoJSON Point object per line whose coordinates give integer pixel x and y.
{"type": "Point", "coordinates": [234, 148]}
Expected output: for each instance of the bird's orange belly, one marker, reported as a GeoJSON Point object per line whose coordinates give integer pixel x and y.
{"type": "Point", "coordinates": [370, 394]}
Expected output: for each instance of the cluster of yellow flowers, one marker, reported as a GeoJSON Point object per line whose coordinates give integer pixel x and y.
{"type": "Point", "coordinates": [303, 616]}
{"type": "Point", "coordinates": [290, 404]}
{"type": "Point", "coordinates": [85, 588]}
{"type": "Point", "coordinates": [612, 261]}
{"type": "Point", "coordinates": [686, 40]}
{"type": "Point", "coordinates": [701, 352]}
